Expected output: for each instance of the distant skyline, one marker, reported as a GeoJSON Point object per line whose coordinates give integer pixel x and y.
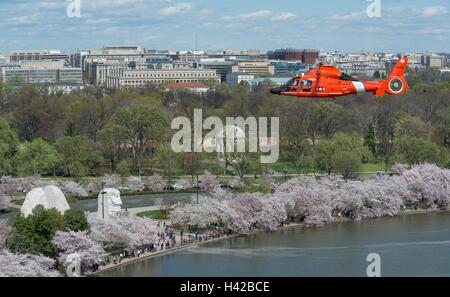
{"type": "Point", "coordinates": [404, 26]}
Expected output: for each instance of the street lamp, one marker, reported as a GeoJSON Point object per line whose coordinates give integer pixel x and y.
{"type": "Point", "coordinates": [197, 188]}
{"type": "Point", "coordinates": [103, 200]}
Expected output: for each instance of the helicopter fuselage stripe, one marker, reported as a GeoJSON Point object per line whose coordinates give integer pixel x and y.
{"type": "Point", "coordinates": [359, 86]}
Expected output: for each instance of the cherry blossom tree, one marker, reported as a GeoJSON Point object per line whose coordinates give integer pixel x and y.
{"type": "Point", "coordinates": [77, 242]}
{"type": "Point", "coordinates": [4, 231]}
{"type": "Point", "coordinates": [124, 230]}
{"type": "Point", "coordinates": [4, 200]}
{"type": "Point", "coordinates": [30, 182]}
{"type": "Point", "coordinates": [135, 184]}
{"type": "Point", "coordinates": [8, 187]}
{"type": "Point", "coordinates": [209, 181]}
{"type": "Point", "coordinates": [155, 183]}
{"type": "Point", "coordinates": [72, 188]}
{"type": "Point", "coordinates": [429, 185]}
{"type": "Point", "coordinates": [111, 181]}
{"type": "Point", "coordinates": [18, 265]}
{"type": "Point", "coordinates": [316, 202]}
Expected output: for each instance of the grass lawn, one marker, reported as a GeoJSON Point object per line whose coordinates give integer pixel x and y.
{"type": "Point", "coordinates": [369, 167]}
{"type": "Point", "coordinates": [154, 214]}
{"type": "Point", "coordinates": [279, 166]}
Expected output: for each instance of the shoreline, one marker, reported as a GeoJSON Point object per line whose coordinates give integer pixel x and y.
{"type": "Point", "coordinates": [289, 226]}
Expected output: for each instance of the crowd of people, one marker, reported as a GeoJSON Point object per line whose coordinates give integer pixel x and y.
{"type": "Point", "coordinates": [166, 240]}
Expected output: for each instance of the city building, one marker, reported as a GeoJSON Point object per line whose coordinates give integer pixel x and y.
{"type": "Point", "coordinates": [292, 68]}
{"type": "Point", "coordinates": [288, 54]}
{"type": "Point", "coordinates": [141, 78]}
{"type": "Point", "coordinates": [190, 56]}
{"type": "Point", "coordinates": [36, 55]}
{"type": "Point", "coordinates": [243, 55]}
{"type": "Point", "coordinates": [195, 87]}
{"type": "Point", "coordinates": [112, 52]}
{"type": "Point", "coordinates": [433, 60]}
{"type": "Point", "coordinates": [307, 56]}
{"type": "Point", "coordinates": [256, 68]}
{"type": "Point", "coordinates": [6, 67]}
{"type": "Point", "coordinates": [415, 60]}
{"type": "Point", "coordinates": [273, 81]}
{"type": "Point", "coordinates": [236, 78]}
{"type": "Point", "coordinates": [64, 88]}
{"type": "Point", "coordinates": [41, 71]}
{"type": "Point", "coordinates": [222, 66]}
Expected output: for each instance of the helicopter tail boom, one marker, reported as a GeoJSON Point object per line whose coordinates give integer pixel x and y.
{"type": "Point", "coordinates": [395, 84]}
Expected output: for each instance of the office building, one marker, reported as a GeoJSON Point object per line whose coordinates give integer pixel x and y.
{"type": "Point", "coordinates": [221, 66]}
{"type": "Point", "coordinates": [256, 68]}
{"type": "Point", "coordinates": [141, 78]}
{"type": "Point", "coordinates": [307, 56]}
{"type": "Point", "coordinates": [237, 78]}
{"type": "Point", "coordinates": [288, 54]}
{"type": "Point", "coordinates": [433, 60]}
{"type": "Point", "coordinates": [42, 71]}
{"type": "Point", "coordinates": [289, 67]}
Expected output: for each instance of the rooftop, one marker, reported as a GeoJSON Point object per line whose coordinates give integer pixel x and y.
{"type": "Point", "coordinates": [187, 85]}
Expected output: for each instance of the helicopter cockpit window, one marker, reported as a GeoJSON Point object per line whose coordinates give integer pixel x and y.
{"type": "Point", "coordinates": [345, 76]}
{"type": "Point", "coordinates": [306, 83]}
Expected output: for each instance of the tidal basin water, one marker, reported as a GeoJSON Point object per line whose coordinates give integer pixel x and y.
{"type": "Point", "coordinates": [409, 245]}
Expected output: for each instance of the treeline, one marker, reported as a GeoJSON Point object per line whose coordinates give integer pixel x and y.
{"type": "Point", "coordinates": [93, 132]}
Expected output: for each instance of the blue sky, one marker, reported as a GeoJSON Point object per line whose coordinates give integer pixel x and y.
{"type": "Point", "coordinates": [404, 26]}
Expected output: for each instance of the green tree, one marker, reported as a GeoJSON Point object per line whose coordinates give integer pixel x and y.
{"type": "Point", "coordinates": [75, 220]}
{"type": "Point", "coordinates": [144, 129]}
{"type": "Point", "coordinates": [341, 154]}
{"type": "Point", "coordinates": [37, 157]}
{"type": "Point", "coordinates": [192, 163]}
{"type": "Point", "coordinates": [8, 145]}
{"type": "Point", "coordinates": [323, 153]}
{"type": "Point", "coordinates": [123, 169]}
{"type": "Point", "coordinates": [412, 150]}
{"type": "Point", "coordinates": [167, 160]}
{"type": "Point", "coordinates": [346, 163]}
{"type": "Point", "coordinates": [408, 125]}
{"type": "Point", "coordinates": [34, 233]}
{"type": "Point", "coordinates": [370, 139]}
{"type": "Point", "coordinates": [305, 164]}
{"type": "Point", "coordinates": [110, 142]}
{"type": "Point", "coordinates": [443, 124]}
{"type": "Point", "coordinates": [326, 118]}
{"type": "Point", "coordinates": [78, 156]}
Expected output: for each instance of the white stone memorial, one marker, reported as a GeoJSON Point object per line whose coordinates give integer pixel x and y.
{"type": "Point", "coordinates": [49, 197]}
{"type": "Point", "coordinates": [109, 203]}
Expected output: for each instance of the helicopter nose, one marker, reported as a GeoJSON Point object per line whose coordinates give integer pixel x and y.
{"type": "Point", "coordinates": [276, 91]}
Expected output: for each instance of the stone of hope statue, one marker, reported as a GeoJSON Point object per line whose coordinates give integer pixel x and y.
{"type": "Point", "coordinates": [109, 203]}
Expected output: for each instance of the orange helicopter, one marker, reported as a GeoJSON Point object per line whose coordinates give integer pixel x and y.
{"type": "Point", "coordinates": [328, 81]}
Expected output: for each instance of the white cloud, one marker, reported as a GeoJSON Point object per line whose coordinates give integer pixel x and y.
{"type": "Point", "coordinates": [261, 14]}
{"type": "Point", "coordinates": [352, 16]}
{"type": "Point", "coordinates": [26, 19]}
{"type": "Point", "coordinates": [176, 9]}
{"type": "Point", "coordinates": [255, 15]}
{"type": "Point", "coordinates": [434, 11]}
{"type": "Point", "coordinates": [284, 16]}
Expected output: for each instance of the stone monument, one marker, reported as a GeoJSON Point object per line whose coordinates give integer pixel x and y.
{"type": "Point", "coordinates": [109, 203]}
{"type": "Point", "coordinates": [49, 197]}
